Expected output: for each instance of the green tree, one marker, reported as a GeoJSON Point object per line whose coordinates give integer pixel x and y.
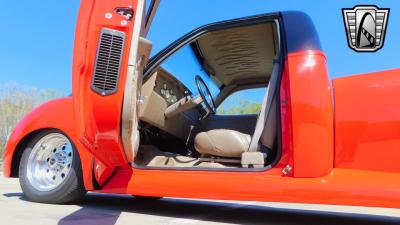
{"type": "Point", "coordinates": [15, 102]}
{"type": "Point", "coordinates": [240, 108]}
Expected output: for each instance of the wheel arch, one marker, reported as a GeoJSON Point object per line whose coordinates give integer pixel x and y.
{"type": "Point", "coordinates": [19, 149]}
{"type": "Point", "coordinates": [59, 115]}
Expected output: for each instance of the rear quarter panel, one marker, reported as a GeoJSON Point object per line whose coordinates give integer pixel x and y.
{"type": "Point", "coordinates": [367, 121]}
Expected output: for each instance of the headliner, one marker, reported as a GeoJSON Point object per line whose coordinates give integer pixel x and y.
{"type": "Point", "coordinates": [238, 56]}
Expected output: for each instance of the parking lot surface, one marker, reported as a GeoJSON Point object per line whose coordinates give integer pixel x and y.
{"type": "Point", "coordinates": [99, 209]}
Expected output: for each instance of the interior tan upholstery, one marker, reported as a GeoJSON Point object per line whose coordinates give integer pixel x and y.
{"type": "Point", "coordinates": [138, 58]}
{"type": "Point", "coordinates": [182, 105]}
{"type": "Point", "coordinates": [269, 132]}
{"type": "Point", "coordinates": [152, 156]}
{"type": "Point", "coordinates": [222, 142]}
{"type": "Point", "coordinates": [153, 107]}
{"type": "Point", "coordinates": [239, 55]}
{"type": "Point", "coordinates": [231, 143]}
{"type": "Point", "coordinates": [242, 56]}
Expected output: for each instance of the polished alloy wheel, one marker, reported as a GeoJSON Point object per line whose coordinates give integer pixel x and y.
{"type": "Point", "coordinates": [49, 162]}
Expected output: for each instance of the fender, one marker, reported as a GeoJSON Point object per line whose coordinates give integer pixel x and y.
{"type": "Point", "coordinates": [55, 114]}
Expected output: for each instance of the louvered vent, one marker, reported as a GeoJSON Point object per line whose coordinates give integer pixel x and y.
{"type": "Point", "coordinates": [108, 62]}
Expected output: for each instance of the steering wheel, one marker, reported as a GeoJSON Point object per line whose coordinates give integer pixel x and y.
{"type": "Point", "coordinates": [205, 94]}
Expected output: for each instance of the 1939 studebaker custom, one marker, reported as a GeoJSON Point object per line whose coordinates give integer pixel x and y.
{"type": "Point", "coordinates": [134, 126]}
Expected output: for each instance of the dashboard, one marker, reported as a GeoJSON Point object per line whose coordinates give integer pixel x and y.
{"type": "Point", "coordinates": [168, 93]}
{"type": "Point", "coordinates": [169, 87]}
{"type": "Point", "coordinates": [159, 91]}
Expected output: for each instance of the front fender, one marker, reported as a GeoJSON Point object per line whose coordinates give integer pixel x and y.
{"type": "Point", "coordinates": [56, 114]}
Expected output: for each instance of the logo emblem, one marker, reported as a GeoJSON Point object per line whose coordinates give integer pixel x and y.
{"type": "Point", "coordinates": [365, 27]}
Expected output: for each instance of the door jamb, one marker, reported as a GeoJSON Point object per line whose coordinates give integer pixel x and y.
{"type": "Point", "coordinates": [161, 56]}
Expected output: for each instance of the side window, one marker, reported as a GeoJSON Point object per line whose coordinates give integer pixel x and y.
{"type": "Point", "coordinates": [242, 102]}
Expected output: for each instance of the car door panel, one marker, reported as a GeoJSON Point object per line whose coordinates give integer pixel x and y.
{"type": "Point", "coordinates": [103, 41]}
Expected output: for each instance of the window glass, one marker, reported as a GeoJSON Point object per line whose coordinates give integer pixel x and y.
{"type": "Point", "coordinates": [242, 102]}
{"type": "Point", "coordinates": [184, 65]}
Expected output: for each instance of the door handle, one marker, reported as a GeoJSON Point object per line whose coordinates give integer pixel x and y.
{"type": "Point", "coordinates": [126, 12]}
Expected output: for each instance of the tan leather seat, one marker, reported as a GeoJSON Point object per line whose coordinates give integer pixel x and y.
{"type": "Point", "coordinates": [222, 142]}
{"type": "Point", "coordinates": [230, 143]}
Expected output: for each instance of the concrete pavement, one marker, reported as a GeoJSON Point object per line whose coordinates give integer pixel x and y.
{"type": "Point", "coordinates": [98, 209]}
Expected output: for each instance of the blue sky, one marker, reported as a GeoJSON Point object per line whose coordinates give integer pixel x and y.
{"type": "Point", "coordinates": [36, 42]}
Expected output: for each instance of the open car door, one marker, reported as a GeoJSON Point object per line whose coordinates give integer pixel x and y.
{"type": "Point", "coordinates": [109, 56]}
{"type": "Point", "coordinates": [139, 55]}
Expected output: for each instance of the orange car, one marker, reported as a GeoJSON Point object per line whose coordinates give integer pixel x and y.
{"type": "Point", "coordinates": [134, 126]}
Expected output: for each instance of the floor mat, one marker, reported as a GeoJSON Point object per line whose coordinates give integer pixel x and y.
{"type": "Point", "coordinates": [151, 156]}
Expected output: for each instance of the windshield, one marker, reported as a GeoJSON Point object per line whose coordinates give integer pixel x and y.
{"type": "Point", "coordinates": [184, 65]}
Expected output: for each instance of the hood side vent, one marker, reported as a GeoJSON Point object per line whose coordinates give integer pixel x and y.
{"type": "Point", "coordinates": [108, 62]}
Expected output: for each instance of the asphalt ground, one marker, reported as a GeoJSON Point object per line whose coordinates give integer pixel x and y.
{"type": "Point", "coordinates": [100, 209]}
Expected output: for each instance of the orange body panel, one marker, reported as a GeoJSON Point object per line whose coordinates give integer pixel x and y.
{"type": "Point", "coordinates": [311, 114]}
{"type": "Point", "coordinates": [54, 114]}
{"type": "Point", "coordinates": [341, 186]}
{"type": "Point", "coordinates": [99, 116]}
{"type": "Point", "coordinates": [333, 186]}
{"type": "Point", "coordinates": [367, 121]}
{"type": "Point", "coordinates": [90, 120]}
{"type": "Point", "coordinates": [349, 161]}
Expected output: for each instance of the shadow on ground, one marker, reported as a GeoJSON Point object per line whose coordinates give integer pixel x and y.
{"type": "Point", "coordinates": [98, 209]}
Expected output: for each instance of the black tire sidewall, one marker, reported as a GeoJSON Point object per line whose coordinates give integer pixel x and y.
{"type": "Point", "coordinates": [58, 195]}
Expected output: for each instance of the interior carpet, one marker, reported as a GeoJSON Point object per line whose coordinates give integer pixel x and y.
{"type": "Point", "coordinates": [151, 156]}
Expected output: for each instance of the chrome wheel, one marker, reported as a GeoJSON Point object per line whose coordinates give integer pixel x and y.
{"type": "Point", "coordinates": [49, 162]}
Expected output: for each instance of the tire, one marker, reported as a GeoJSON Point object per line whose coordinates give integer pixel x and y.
{"type": "Point", "coordinates": [50, 169]}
